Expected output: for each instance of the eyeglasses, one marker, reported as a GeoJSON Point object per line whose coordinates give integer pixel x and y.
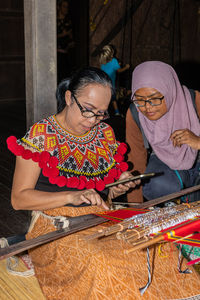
{"type": "Point", "coordinates": [90, 114]}
{"type": "Point", "coordinates": [152, 102]}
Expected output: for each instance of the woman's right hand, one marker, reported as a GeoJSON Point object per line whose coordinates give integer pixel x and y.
{"type": "Point", "coordinates": [121, 189]}
{"type": "Point", "coordinates": [87, 196]}
{"type": "Point", "coordinates": [185, 136]}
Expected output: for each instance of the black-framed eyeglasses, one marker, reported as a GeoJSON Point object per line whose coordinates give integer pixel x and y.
{"type": "Point", "coordinates": [90, 114]}
{"type": "Point", "coordinates": [153, 102]}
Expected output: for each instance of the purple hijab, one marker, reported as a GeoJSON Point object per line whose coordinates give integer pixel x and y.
{"type": "Point", "coordinates": [180, 115]}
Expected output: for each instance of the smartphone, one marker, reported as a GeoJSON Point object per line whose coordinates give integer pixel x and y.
{"type": "Point", "coordinates": [141, 176]}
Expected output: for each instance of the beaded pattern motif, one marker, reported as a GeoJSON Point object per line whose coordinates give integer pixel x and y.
{"type": "Point", "coordinates": [90, 155]}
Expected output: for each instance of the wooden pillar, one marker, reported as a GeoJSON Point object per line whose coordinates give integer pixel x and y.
{"type": "Point", "coordinates": [40, 58]}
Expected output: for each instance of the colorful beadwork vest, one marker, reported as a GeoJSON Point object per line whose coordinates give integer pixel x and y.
{"type": "Point", "coordinates": [89, 161]}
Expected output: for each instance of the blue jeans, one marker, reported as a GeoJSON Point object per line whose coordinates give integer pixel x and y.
{"type": "Point", "coordinates": [170, 181]}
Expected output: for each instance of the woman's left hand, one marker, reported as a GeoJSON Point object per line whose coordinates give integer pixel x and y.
{"type": "Point", "coordinates": [120, 189]}
{"type": "Point", "coordinates": [185, 136]}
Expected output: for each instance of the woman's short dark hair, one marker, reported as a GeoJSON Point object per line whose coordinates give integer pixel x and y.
{"type": "Point", "coordinates": [79, 80]}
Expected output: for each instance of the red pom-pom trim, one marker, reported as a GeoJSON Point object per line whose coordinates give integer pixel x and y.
{"type": "Point", "coordinates": [18, 150]}
{"type": "Point", "coordinates": [90, 184]}
{"type": "Point", "coordinates": [42, 164]}
{"type": "Point", "coordinates": [123, 166]}
{"type": "Point", "coordinates": [118, 158]}
{"type": "Point", "coordinates": [53, 161]}
{"type": "Point", "coordinates": [124, 145]}
{"type": "Point", "coordinates": [13, 146]}
{"type": "Point", "coordinates": [73, 182]}
{"type": "Point", "coordinates": [36, 156]}
{"type": "Point", "coordinates": [46, 171]}
{"type": "Point", "coordinates": [100, 185]}
{"type": "Point", "coordinates": [49, 164]}
{"type": "Point", "coordinates": [52, 180]}
{"type": "Point", "coordinates": [118, 174]}
{"type": "Point", "coordinates": [83, 178]}
{"type": "Point", "coordinates": [11, 140]}
{"type": "Point", "coordinates": [81, 185]}
{"type": "Point", "coordinates": [122, 149]}
{"type": "Point", "coordinates": [112, 173]}
{"type": "Point", "coordinates": [26, 154]}
{"type": "Point", "coordinates": [54, 172]}
{"type": "Point", "coordinates": [61, 181]}
{"type": "Point", "coordinates": [45, 156]}
{"type": "Point", "coordinates": [108, 179]}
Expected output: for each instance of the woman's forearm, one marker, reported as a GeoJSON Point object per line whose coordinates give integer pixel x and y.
{"type": "Point", "coordinates": [30, 199]}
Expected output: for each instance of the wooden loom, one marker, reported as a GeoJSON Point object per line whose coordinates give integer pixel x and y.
{"type": "Point", "coordinates": [83, 222]}
{"type": "Point", "coordinates": [178, 223]}
{"type": "Point", "coordinates": [80, 223]}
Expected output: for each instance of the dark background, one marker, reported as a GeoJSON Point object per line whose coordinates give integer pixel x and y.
{"type": "Point", "coordinates": [139, 29]}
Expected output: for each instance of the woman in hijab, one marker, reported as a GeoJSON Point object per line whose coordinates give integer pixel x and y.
{"type": "Point", "coordinates": [163, 130]}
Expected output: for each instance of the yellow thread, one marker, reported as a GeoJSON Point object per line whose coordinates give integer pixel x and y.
{"type": "Point", "coordinates": [187, 204]}
{"type": "Point", "coordinates": [160, 252]}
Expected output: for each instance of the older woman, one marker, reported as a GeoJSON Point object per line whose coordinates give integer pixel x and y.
{"type": "Point", "coordinates": [164, 122]}
{"type": "Point", "coordinates": [63, 164]}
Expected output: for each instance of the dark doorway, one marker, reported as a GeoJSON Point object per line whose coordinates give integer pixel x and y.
{"type": "Point", "coordinates": [72, 36]}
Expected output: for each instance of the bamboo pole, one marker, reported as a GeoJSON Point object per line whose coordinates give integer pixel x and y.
{"type": "Point", "coordinates": [158, 238]}
{"type": "Point", "coordinates": [133, 235]}
{"type": "Point", "coordinates": [122, 226]}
